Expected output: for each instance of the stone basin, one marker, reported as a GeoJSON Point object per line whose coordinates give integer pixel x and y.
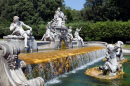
{"type": "Point", "coordinates": [98, 74]}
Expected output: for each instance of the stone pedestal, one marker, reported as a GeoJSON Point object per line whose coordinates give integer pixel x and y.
{"type": "Point", "coordinates": [18, 41]}
{"type": "Point", "coordinates": [48, 44]}
{"type": "Point", "coordinates": [77, 43]}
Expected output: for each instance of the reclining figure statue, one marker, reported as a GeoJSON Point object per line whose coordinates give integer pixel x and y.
{"type": "Point", "coordinates": [111, 64]}
{"type": "Point", "coordinates": [19, 31]}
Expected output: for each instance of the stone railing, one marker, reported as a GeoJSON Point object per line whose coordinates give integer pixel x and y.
{"type": "Point", "coordinates": [95, 43]}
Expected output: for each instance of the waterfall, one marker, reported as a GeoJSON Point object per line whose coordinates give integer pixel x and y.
{"type": "Point", "coordinates": [55, 68]}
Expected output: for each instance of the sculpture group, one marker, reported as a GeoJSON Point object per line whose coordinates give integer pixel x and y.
{"type": "Point", "coordinates": [56, 31]}
{"type": "Point", "coordinates": [113, 55]}
{"type": "Point", "coordinates": [64, 33]}
{"type": "Point", "coordinates": [21, 40]}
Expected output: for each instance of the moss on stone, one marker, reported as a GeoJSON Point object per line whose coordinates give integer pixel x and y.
{"type": "Point", "coordinates": [98, 74]}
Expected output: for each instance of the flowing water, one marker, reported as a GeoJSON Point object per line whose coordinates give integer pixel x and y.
{"type": "Point", "coordinates": [67, 67]}
{"type": "Point", "coordinates": [50, 65]}
{"type": "Point", "coordinates": [78, 77]}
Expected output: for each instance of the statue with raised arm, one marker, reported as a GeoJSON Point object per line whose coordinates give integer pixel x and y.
{"type": "Point", "coordinates": [111, 65]}
{"type": "Point", "coordinates": [17, 29]}
{"type": "Point", "coordinates": [77, 37]}
{"type": "Point", "coordinates": [49, 35]}
{"type": "Point", "coordinates": [119, 53]}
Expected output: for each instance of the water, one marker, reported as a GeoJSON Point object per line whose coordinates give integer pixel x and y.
{"type": "Point", "coordinates": [77, 77]}
{"type": "Point", "coordinates": [56, 67]}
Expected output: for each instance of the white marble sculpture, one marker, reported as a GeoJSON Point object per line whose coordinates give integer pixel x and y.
{"type": "Point", "coordinates": [11, 67]}
{"type": "Point", "coordinates": [59, 19]}
{"type": "Point", "coordinates": [69, 34]}
{"type": "Point", "coordinates": [119, 53]}
{"type": "Point", "coordinates": [111, 64]}
{"type": "Point", "coordinates": [77, 37]}
{"type": "Point", "coordinates": [17, 29]}
{"type": "Point", "coordinates": [49, 35]}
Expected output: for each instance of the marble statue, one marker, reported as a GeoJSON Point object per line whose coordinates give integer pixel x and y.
{"type": "Point", "coordinates": [49, 35]}
{"type": "Point", "coordinates": [17, 29]}
{"type": "Point", "coordinates": [107, 54]}
{"type": "Point", "coordinates": [111, 64]}
{"type": "Point", "coordinates": [77, 37]}
{"type": "Point", "coordinates": [119, 53]}
{"type": "Point", "coordinates": [11, 67]}
{"type": "Point", "coordinates": [69, 34]}
{"type": "Point", "coordinates": [59, 19]}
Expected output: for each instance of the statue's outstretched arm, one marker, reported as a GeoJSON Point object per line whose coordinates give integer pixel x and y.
{"type": "Point", "coordinates": [27, 26]}
{"type": "Point", "coordinates": [80, 28]}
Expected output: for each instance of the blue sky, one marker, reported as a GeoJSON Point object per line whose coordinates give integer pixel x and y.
{"type": "Point", "coordinates": [75, 4]}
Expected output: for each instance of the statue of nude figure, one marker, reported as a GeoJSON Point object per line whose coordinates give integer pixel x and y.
{"type": "Point", "coordinates": [17, 29]}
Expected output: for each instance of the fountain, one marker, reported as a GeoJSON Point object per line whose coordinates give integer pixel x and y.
{"type": "Point", "coordinates": [51, 64]}
{"type": "Point", "coordinates": [111, 66]}
{"type": "Point", "coordinates": [36, 68]}
{"type": "Point", "coordinates": [57, 33]}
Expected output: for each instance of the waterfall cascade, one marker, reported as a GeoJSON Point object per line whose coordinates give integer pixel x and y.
{"type": "Point", "coordinates": [54, 63]}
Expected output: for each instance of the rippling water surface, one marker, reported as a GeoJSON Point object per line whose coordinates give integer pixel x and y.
{"type": "Point", "coordinates": [78, 78]}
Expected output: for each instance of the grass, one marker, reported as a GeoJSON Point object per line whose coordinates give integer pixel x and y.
{"type": "Point", "coordinates": [126, 46]}
{"type": "Point", "coordinates": [1, 39]}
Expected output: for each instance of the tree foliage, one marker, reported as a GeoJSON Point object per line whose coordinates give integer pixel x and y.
{"type": "Point", "coordinates": [102, 10]}
{"type": "Point", "coordinates": [105, 20]}
{"type": "Point", "coordinates": [31, 12]}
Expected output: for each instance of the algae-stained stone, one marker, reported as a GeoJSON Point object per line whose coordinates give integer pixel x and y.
{"type": "Point", "coordinates": [97, 73]}
{"type": "Point", "coordinates": [105, 59]}
{"type": "Point", "coordinates": [123, 61]}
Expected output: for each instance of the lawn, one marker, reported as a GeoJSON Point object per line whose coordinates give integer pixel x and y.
{"type": "Point", "coordinates": [127, 46]}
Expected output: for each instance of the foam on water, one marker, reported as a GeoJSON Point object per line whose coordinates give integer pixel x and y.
{"type": "Point", "coordinates": [53, 81]}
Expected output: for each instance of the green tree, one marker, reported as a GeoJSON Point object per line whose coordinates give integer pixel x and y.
{"type": "Point", "coordinates": [102, 10]}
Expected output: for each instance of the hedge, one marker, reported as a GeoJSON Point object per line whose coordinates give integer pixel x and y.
{"type": "Point", "coordinates": [109, 31]}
